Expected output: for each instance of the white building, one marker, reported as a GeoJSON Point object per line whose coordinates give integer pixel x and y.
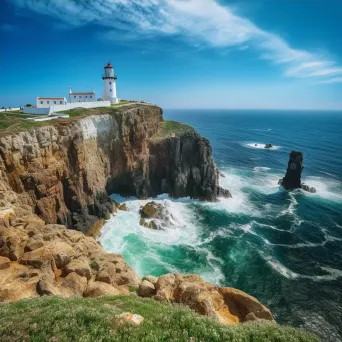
{"type": "Point", "coordinates": [82, 96]}
{"type": "Point", "coordinates": [109, 86]}
{"type": "Point", "coordinates": [46, 102]}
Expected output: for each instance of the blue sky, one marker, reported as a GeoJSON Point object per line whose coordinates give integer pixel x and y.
{"type": "Point", "coordinates": [176, 53]}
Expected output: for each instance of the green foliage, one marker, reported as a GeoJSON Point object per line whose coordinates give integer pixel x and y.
{"type": "Point", "coordinates": [94, 265]}
{"type": "Point", "coordinates": [95, 319]}
{"type": "Point", "coordinates": [170, 128]}
{"type": "Point", "coordinates": [28, 105]}
{"type": "Point", "coordinates": [132, 288]}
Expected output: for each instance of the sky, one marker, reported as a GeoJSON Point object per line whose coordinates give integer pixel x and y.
{"type": "Point", "coordinates": [267, 54]}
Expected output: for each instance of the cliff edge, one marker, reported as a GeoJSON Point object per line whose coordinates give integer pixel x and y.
{"type": "Point", "coordinates": [66, 170]}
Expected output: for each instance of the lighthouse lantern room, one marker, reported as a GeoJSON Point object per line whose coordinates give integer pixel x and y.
{"type": "Point", "coordinates": [109, 84]}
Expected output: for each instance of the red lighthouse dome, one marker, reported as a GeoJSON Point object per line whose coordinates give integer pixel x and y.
{"type": "Point", "coordinates": [108, 66]}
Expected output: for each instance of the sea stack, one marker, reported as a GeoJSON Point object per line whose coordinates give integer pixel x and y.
{"type": "Point", "coordinates": [292, 179]}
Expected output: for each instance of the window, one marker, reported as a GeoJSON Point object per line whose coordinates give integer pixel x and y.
{"type": "Point", "coordinates": [110, 82]}
{"type": "Point", "coordinates": [110, 90]}
{"type": "Point", "coordinates": [54, 102]}
{"type": "Point", "coordinates": [60, 102]}
{"type": "Point", "coordinates": [80, 96]}
{"type": "Point", "coordinates": [41, 102]}
{"type": "Point", "coordinates": [90, 96]}
{"type": "Point", "coordinates": [75, 97]}
{"type": "Point", "coordinates": [47, 102]}
{"type": "Point", "coordinates": [86, 96]}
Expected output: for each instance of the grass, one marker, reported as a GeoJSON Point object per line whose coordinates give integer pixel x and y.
{"type": "Point", "coordinates": [12, 122]}
{"type": "Point", "coordinates": [168, 128]}
{"type": "Point", "coordinates": [94, 265]}
{"type": "Point", "coordinates": [95, 319]}
{"type": "Point", "coordinates": [15, 121]}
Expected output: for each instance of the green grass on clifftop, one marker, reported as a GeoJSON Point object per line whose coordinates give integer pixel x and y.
{"type": "Point", "coordinates": [169, 128]}
{"type": "Point", "coordinates": [57, 319]}
{"type": "Point", "coordinates": [12, 122]}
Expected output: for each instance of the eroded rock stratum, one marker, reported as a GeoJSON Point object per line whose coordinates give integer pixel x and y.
{"type": "Point", "coordinates": [66, 171]}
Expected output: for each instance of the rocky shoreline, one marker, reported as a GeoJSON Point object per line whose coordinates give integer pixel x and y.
{"type": "Point", "coordinates": [58, 177]}
{"type": "Point", "coordinates": [66, 171]}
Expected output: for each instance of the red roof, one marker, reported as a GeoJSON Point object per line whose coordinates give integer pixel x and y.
{"type": "Point", "coordinates": [108, 66]}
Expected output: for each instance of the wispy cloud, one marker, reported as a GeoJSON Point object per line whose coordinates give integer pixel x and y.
{"type": "Point", "coordinates": [199, 22]}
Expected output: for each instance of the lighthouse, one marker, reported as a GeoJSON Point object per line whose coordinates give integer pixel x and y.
{"type": "Point", "coordinates": [109, 84]}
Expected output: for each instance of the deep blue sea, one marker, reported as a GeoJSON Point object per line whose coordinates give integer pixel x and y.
{"type": "Point", "coordinates": [285, 248]}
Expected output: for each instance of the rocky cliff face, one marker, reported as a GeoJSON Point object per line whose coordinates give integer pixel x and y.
{"type": "Point", "coordinates": [65, 171]}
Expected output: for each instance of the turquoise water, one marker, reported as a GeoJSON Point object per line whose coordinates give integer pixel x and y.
{"type": "Point", "coordinates": [285, 248]}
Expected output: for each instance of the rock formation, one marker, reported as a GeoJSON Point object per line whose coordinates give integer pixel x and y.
{"type": "Point", "coordinates": [292, 179]}
{"type": "Point", "coordinates": [228, 305]}
{"type": "Point", "coordinates": [65, 171]}
{"type": "Point", "coordinates": [268, 146]}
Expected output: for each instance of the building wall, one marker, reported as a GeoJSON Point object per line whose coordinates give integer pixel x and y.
{"type": "Point", "coordinates": [50, 102]}
{"type": "Point", "coordinates": [37, 111]}
{"type": "Point", "coordinates": [59, 108]}
{"type": "Point", "coordinates": [82, 98]}
{"type": "Point", "coordinates": [81, 105]}
{"type": "Point", "coordinates": [9, 110]}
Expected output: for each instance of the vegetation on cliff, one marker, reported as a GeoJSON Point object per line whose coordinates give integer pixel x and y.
{"type": "Point", "coordinates": [168, 128]}
{"type": "Point", "coordinates": [96, 319]}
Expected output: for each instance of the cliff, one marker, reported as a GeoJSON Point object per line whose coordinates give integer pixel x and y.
{"type": "Point", "coordinates": [66, 170]}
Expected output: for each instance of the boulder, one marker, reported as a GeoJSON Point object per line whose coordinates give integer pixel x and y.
{"type": "Point", "coordinates": [224, 304]}
{"type": "Point", "coordinates": [4, 263]}
{"type": "Point", "coordinates": [35, 242]}
{"type": "Point", "coordinates": [146, 289]}
{"type": "Point", "coordinates": [152, 210]}
{"type": "Point", "coordinates": [75, 283]}
{"type": "Point", "coordinates": [98, 288]}
{"type": "Point", "coordinates": [80, 266]}
{"type": "Point", "coordinates": [123, 207]}
{"type": "Point", "coordinates": [292, 179]}
{"type": "Point", "coordinates": [12, 243]}
{"type": "Point", "coordinates": [246, 304]}
{"type": "Point", "coordinates": [153, 280]}
{"type": "Point", "coordinates": [44, 287]}
{"type": "Point", "coordinates": [268, 146]}
{"type": "Point", "coordinates": [61, 251]}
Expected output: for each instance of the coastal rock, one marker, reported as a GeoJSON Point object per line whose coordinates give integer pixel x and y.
{"type": "Point", "coordinates": [229, 306]}
{"type": "Point", "coordinates": [146, 289]}
{"type": "Point", "coordinates": [151, 210]}
{"type": "Point", "coordinates": [4, 263]}
{"type": "Point", "coordinates": [292, 179]}
{"type": "Point", "coordinates": [64, 171]}
{"type": "Point", "coordinates": [98, 288]}
{"type": "Point", "coordinates": [151, 279]}
{"type": "Point", "coordinates": [79, 266]}
{"type": "Point", "coordinates": [268, 146]}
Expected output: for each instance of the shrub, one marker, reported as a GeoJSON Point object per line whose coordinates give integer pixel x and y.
{"type": "Point", "coordinates": [94, 265]}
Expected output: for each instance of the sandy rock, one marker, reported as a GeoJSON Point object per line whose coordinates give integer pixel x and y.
{"type": "Point", "coordinates": [128, 317]}
{"type": "Point", "coordinates": [4, 263]}
{"type": "Point", "coordinates": [44, 287]}
{"type": "Point", "coordinates": [246, 304]}
{"type": "Point", "coordinates": [75, 283]}
{"type": "Point", "coordinates": [151, 279]}
{"type": "Point", "coordinates": [229, 306]}
{"type": "Point", "coordinates": [123, 207]}
{"type": "Point", "coordinates": [106, 273]}
{"type": "Point", "coordinates": [152, 209]}
{"type": "Point", "coordinates": [98, 288]}
{"type": "Point", "coordinates": [146, 289]}
{"type": "Point", "coordinates": [35, 242]}
{"type": "Point", "coordinates": [61, 251]}
{"type": "Point", "coordinates": [12, 243]}
{"type": "Point", "coordinates": [79, 266]}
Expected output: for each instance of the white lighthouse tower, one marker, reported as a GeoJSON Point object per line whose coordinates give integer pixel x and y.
{"type": "Point", "coordinates": [109, 85]}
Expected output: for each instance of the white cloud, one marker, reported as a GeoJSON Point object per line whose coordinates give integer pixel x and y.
{"type": "Point", "coordinates": [199, 22]}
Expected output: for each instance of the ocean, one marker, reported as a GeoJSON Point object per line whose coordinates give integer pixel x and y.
{"type": "Point", "coordinates": [284, 248]}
